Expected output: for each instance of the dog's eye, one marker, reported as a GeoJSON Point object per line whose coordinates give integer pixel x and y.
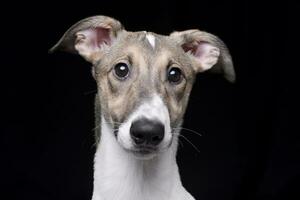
{"type": "Point", "coordinates": [174, 75]}
{"type": "Point", "coordinates": [121, 70]}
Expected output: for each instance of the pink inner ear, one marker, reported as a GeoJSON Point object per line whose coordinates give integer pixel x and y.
{"type": "Point", "coordinates": [90, 42]}
{"type": "Point", "coordinates": [189, 47]}
{"type": "Point", "coordinates": [102, 36]}
{"type": "Point", "coordinates": [202, 48]}
{"type": "Point", "coordinates": [95, 37]}
{"type": "Point", "coordinates": [197, 49]}
{"type": "Point", "coordinates": [205, 54]}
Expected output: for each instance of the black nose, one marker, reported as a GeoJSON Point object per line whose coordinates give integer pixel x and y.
{"type": "Point", "coordinates": [145, 131]}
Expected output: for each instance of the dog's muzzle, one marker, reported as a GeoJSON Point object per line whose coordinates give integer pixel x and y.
{"type": "Point", "coordinates": [147, 134]}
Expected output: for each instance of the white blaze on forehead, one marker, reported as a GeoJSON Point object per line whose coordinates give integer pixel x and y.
{"type": "Point", "coordinates": [151, 39]}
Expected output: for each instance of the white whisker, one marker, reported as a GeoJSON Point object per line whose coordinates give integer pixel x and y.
{"type": "Point", "coordinates": [194, 146]}
{"type": "Point", "coordinates": [190, 130]}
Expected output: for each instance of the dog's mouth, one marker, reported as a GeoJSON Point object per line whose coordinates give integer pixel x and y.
{"type": "Point", "coordinates": [142, 152]}
{"type": "Point", "coordinates": [145, 152]}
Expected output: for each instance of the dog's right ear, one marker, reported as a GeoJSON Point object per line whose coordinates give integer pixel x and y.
{"type": "Point", "coordinates": [90, 37]}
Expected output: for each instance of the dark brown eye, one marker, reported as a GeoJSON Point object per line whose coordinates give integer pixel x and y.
{"type": "Point", "coordinates": [174, 75]}
{"type": "Point", "coordinates": [121, 70]}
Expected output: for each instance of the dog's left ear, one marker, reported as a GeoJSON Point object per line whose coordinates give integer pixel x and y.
{"type": "Point", "coordinates": [90, 37]}
{"type": "Point", "coordinates": [207, 52]}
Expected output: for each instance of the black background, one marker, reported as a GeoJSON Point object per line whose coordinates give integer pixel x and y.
{"type": "Point", "coordinates": [247, 150]}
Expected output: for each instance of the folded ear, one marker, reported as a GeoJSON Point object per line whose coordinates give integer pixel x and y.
{"type": "Point", "coordinates": [207, 51]}
{"type": "Point", "coordinates": [90, 37]}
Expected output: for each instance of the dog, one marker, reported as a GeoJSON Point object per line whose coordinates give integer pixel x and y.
{"type": "Point", "coordinates": [143, 81]}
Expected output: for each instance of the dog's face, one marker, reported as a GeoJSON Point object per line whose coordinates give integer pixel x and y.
{"type": "Point", "coordinates": [144, 79]}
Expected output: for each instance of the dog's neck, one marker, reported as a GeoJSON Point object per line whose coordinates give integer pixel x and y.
{"type": "Point", "coordinates": [119, 175]}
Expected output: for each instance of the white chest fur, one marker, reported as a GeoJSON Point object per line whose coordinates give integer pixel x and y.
{"type": "Point", "coordinates": [118, 175]}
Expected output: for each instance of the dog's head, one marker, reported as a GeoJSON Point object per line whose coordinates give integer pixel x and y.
{"type": "Point", "coordinates": [144, 79]}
